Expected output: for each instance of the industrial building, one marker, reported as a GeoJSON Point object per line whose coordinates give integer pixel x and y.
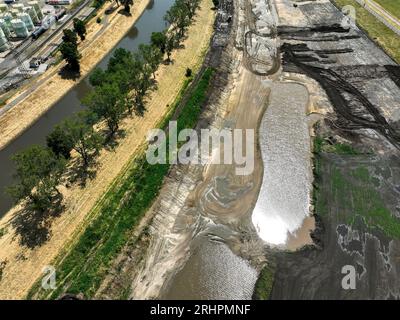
{"type": "Point", "coordinates": [18, 21]}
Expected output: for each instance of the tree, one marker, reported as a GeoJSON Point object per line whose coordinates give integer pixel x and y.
{"type": "Point", "coordinates": [76, 133]}
{"type": "Point", "coordinates": [216, 3]}
{"type": "Point", "coordinates": [191, 6]}
{"type": "Point", "coordinates": [80, 28]}
{"type": "Point", "coordinates": [69, 36]}
{"type": "Point", "coordinates": [107, 102]}
{"type": "Point", "coordinates": [120, 59]}
{"type": "Point", "coordinates": [152, 57]}
{"type": "Point", "coordinates": [127, 5]}
{"type": "Point", "coordinates": [141, 83]}
{"type": "Point", "coordinates": [71, 55]}
{"type": "Point", "coordinates": [178, 17]}
{"type": "Point", "coordinates": [159, 40]}
{"type": "Point", "coordinates": [69, 50]}
{"type": "Point", "coordinates": [59, 143]}
{"type": "Point", "coordinates": [170, 45]}
{"type": "Point", "coordinates": [86, 141]}
{"type": "Point", "coordinates": [97, 77]}
{"type": "Point", "coordinates": [38, 173]}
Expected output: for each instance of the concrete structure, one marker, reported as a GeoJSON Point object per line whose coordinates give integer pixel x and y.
{"type": "Point", "coordinates": [3, 7]}
{"type": "Point", "coordinates": [18, 6]}
{"type": "Point", "coordinates": [7, 17]}
{"type": "Point", "coordinates": [19, 28]}
{"type": "Point", "coordinates": [3, 42]}
{"type": "Point", "coordinates": [36, 6]}
{"type": "Point", "coordinates": [26, 20]}
{"type": "Point", "coordinates": [32, 13]}
{"type": "Point", "coordinates": [14, 12]}
{"type": "Point", "coordinates": [48, 21]}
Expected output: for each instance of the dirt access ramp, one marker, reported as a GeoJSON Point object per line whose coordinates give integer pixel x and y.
{"type": "Point", "coordinates": [24, 266]}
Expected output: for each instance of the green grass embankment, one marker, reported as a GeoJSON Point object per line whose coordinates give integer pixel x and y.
{"type": "Point", "coordinates": [375, 29]}
{"type": "Point", "coordinates": [391, 6]}
{"type": "Point", "coordinates": [265, 281]}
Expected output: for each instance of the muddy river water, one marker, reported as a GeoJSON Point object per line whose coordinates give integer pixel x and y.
{"type": "Point", "coordinates": [150, 21]}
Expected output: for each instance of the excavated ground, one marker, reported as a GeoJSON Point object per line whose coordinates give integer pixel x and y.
{"type": "Point", "coordinates": [358, 209]}
{"type": "Point", "coordinates": [354, 87]}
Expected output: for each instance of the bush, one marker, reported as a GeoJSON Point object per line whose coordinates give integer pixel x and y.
{"type": "Point", "coordinates": [188, 73]}
{"type": "Point", "coordinates": [98, 20]}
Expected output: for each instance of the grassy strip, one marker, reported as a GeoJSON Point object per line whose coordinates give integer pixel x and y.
{"type": "Point", "coordinates": [392, 6]}
{"type": "Point", "coordinates": [87, 263]}
{"type": "Point", "coordinates": [375, 29]}
{"type": "Point", "coordinates": [265, 281]}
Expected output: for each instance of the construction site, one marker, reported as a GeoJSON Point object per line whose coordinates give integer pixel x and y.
{"type": "Point", "coordinates": [322, 98]}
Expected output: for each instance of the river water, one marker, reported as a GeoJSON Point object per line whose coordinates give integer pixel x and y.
{"type": "Point", "coordinates": [284, 200]}
{"type": "Point", "coordinates": [150, 21]}
{"type": "Point", "coordinates": [213, 272]}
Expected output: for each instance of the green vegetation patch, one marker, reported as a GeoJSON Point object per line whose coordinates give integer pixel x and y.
{"type": "Point", "coordinates": [264, 284]}
{"type": "Point", "coordinates": [321, 145]}
{"type": "Point", "coordinates": [87, 262]}
{"type": "Point", "coordinates": [375, 29]}
{"type": "Point", "coordinates": [3, 231]}
{"type": "Point", "coordinates": [347, 192]}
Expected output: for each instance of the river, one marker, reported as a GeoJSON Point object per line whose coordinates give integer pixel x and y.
{"type": "Point", "coordinates": [150, 21]}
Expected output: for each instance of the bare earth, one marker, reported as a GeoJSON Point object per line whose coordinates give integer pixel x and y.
{"type": "Point", "coordinates": [93, 49]}
{"type": "Point", "coordinates": [24, 266]}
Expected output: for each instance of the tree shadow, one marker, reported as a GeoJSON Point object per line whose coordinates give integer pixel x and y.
{"type": "Point", "coordinates": [33, 226]}
{"type": "Point", "coordinates": [112, 140]}
{"type": "Point", "coordinates": [67, 73]}
{"type": "Point", "coordinates": [80, 172]}
{"type": "Point", "coordinates": [111, 10]}
{"type": "Point", "coordinates": [167, 61]}
{"type": "Point", "coordinates": [124, 12]}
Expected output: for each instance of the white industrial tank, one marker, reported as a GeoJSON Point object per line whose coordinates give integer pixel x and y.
{"type": "Point", "coordinates": [14, 12]}
{"type": "Point", "coordinates": [27, 20]}
{"type": "Point", "coordinates": [18, 6]}
{"type": "Point", "coordinates": [32, 13]}
{"type": "Point", "coordinates": [7, 17]}
{"type": "Point", "coordinates": [19, 28]}
{"type": "Point", "coordinates": [4, 27]}
{"type": "Point", "coordinates": [3, 7]}
{"type": "Point", "coordinates": [37, 7]}
{"type": "Point", "coordinates": [3, 42]}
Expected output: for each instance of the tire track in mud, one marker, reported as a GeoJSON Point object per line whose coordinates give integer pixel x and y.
{"type": "Point", "coordinates": [336, 86]}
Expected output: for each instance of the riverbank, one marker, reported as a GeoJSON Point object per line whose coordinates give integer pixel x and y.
{"type": "Point", "coordinates": [45, 91]}
{"type": "Point", "coordinates": [83, 204]}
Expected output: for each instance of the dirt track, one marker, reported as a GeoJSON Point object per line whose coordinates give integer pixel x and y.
{"type": "Point", "coordinates": [24, 266]}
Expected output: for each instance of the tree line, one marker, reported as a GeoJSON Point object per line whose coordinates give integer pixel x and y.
{"type": "Point", "coordinates": [69, 45]}
{"type": "Point", "coordinates": [117, 92]}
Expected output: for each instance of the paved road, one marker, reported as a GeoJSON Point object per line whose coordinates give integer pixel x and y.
{"type": "Point", "coordinates": [381, 14]}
